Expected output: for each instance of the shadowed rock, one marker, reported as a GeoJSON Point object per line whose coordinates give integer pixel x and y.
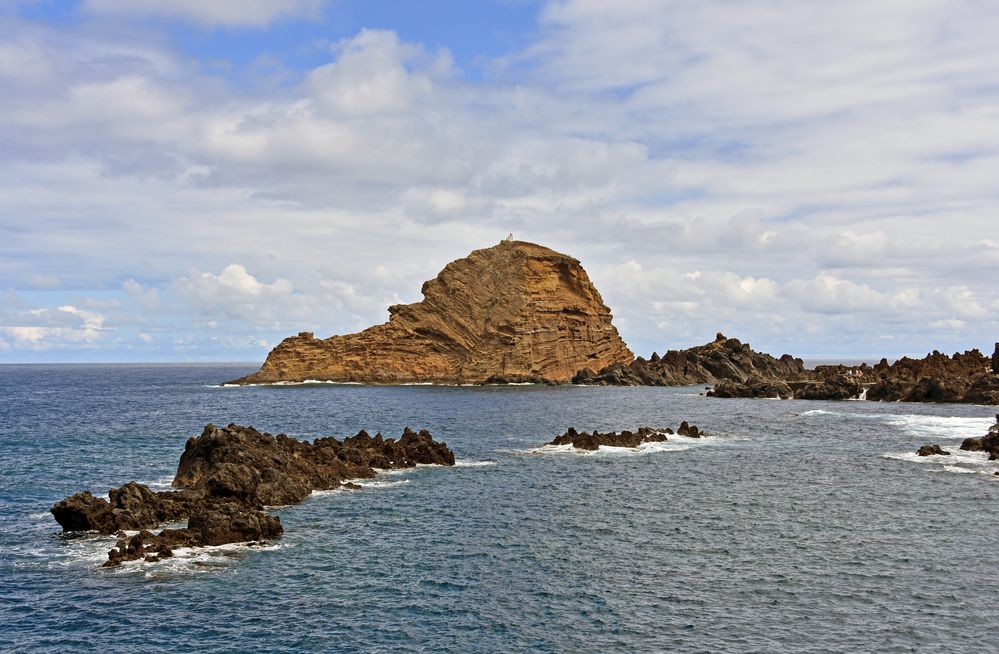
{"type": "Point", "coordinates": [227, 476]}
{"type": "Point", "coordinates": [932, 450]}
{"type": "Point", "coordinates": [737, 371]}
{"type": "Point", "coordinates": [987, 443]}
{"type": "Point", "coordinates": [592, 441]}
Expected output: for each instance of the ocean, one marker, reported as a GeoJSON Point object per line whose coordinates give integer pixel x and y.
{"type": "Point", "coordinates": [794, 526]}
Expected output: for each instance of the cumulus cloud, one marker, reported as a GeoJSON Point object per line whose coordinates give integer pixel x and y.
{"type": "Point", "coordinates": [52, 328]}
{"type": "Point", "coordinates": [807, 174]}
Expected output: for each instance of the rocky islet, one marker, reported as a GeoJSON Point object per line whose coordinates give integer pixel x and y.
{"type": "Point", "coordinates": [516, 312]}
{"type": "Point", "coordinates": [227, 477]}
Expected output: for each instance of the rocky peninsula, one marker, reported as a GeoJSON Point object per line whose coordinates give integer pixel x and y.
{"type": "Point", "coordinates": [227, 477]}
{"type": "Point", "coordinates": [736, 370]}
{"type": "Point", "coordinates": [515, 312]}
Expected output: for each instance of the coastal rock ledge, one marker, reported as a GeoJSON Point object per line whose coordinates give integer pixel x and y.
{"type": "Point", "coordinates": [226, 478]}
{"type": "Point", "coordinates": [515, 312]}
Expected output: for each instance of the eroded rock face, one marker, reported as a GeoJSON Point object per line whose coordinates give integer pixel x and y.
{"type": "Point", "coordinates": [227, 476]}
{"type": "Point", "coordinates": [592, 441]}
{"type": "Point", "coordinates": [510, 313]}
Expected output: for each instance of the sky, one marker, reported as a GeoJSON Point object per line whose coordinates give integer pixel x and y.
{"type": "Point", "coordinates": [183, 180]}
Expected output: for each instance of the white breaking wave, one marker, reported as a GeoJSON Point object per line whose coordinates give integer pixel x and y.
{"type": "Point", "coordinates": [959, 461]}
{"type": "Point", "coordinates": [917, 425]}
{"type": "Point", "coordinates": [307, 382]}
{"type": "Point", "coordinates": [674, 444]}
{"type": "Point", "coordinates": [461, 463]}
{"type": "Point", "coordinates": [379, 483]}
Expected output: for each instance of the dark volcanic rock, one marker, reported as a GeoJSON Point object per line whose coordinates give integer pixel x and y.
{"type": "Point", "coordinates": [738, 371]}
{"type": "Point", "coordinates": [723, 359]}
{"type": "Point", "coordinates": [963, 377]}
{"type": "Point", "coordinates": [755, 386]}
{"type": "Point", "coordinates": [227, 476]}
{"type": "Point", "coordinates": [592, 441]}
{"type": "Point", "coordinates": [132, 506]}
{"type": "Point", "coordinates": [931, 450]}
{"type": "Point", "coordinates": [989, 442]}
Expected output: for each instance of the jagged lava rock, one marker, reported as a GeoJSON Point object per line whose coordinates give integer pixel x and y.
{"type": "Point", "coordinates": [724, 359]}
{"type": "Point", "coordinates": [965, 377]}
{"type": "Point", "coordinates": [227, 476]}
{"type": "Point", "coordinates": [932, 450]}
{"type": "Point", "coordinates": [513, 312]}
{"type": "Point", "coordinates": [592, 441]}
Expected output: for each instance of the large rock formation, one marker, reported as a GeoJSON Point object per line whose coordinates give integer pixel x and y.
{"type": "Point", "coordinates": [965, 377]}
{"type": "Point", "coordinates": [513, 312]}
{"type": "Point", "coordinates": [736, 370]}
{"type": "Point", "coordinates": [227, 477]}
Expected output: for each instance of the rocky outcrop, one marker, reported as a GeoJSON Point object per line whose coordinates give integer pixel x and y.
{"type": "Point", "coordinates": [514, 312]}
{"type": "Point", "coordinates": [932, 450]}
{"type": "Point", "coordinates": [227, 477]}
{"type": "Point", "coordinates": [988, 443]}
{"type": "Point", "coordinates": [736, 370]}
{"type": "Point", "coordinates": [592, 441]}
{"type": "Point", "coordinates": [724, 359]}
{"type": "Point", "coordinates": [963, 377]}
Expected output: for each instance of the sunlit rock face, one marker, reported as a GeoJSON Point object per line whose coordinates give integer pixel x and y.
{"type": "Point", "coordinates": [515, 312]}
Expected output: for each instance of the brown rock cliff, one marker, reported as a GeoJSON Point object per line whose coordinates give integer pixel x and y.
{"type": "Point", "coordinates": [513, 312]}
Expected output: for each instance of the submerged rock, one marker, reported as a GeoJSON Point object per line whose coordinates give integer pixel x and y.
{"type": "Point", "coordinates": [592, 441]}
{"type": "Point", "coordinates": [227, 476]}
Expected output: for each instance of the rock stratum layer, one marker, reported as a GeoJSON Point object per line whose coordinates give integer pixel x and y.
{"type": "Point", "coordinates": [515, 312]}
{"type": "Point", "coordinates": [226, 477]}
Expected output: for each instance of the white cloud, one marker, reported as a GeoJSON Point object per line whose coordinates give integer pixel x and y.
{"type": "Point", "coordinates": [59, 327]}
{"type": "Point", "coordinates": [235, 293]}
{"type": "Point", "coordinates": [827, 170]}
{"type": "Point", "coordinates": [255, 13]}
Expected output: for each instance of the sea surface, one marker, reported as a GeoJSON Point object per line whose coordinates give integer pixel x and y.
{"type": "Point", "coordinates": [794, 527]}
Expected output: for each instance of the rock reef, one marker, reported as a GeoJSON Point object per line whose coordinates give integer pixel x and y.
{"type": "Point", "coordinates": [593, 440]}
{"type": "Point", "coordinates": [515, 312]}
{"type": "Point", "coordinates": [226, 478]}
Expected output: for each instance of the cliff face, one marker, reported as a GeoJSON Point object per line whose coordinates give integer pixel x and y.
{"type": "Point", "coordinates": [513, 312]}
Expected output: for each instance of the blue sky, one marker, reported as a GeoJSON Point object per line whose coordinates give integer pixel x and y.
{"type": "Point", "coordinates": [195, 180]}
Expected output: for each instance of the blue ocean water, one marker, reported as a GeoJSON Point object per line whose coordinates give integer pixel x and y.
{"type": "Point", "coordinates": [795, 527]}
